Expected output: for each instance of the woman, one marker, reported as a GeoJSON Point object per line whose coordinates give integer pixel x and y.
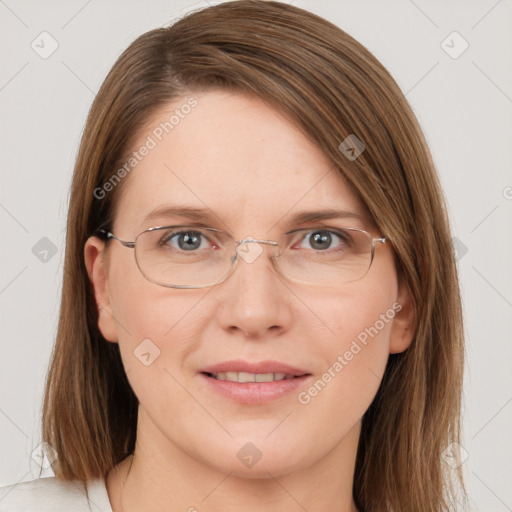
{"type": "Point", "coordinates": [287, 333]}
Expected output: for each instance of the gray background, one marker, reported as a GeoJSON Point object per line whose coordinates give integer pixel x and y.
{"type": "Point", "coordinates": [464, 105]}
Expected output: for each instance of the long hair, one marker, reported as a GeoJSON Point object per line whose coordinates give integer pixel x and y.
{"type": "Point", "coordinates": [330, 87]}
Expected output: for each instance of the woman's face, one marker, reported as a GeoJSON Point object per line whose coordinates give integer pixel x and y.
{"type": "Point", "coordinates": [251, 171]}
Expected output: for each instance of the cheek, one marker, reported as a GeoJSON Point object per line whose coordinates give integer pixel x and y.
{"type": "Point", "coordinates": [358, 316]}
{"type": "Point", "coordinates": [355, 351]}
{"type": "Point", "coordinates": [157, 327]}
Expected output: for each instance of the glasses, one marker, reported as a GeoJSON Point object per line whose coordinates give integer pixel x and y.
{"type": "Point", "coordinates": [191, 257]}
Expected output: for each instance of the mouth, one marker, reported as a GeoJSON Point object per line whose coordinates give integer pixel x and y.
{"type": "Point", "coordinates": [243, 377]}
{"type": "Point", "coordinates": [254, 383]}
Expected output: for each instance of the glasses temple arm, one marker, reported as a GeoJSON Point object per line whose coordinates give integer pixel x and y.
{"type": "Point", "coordinates": [108, 235]}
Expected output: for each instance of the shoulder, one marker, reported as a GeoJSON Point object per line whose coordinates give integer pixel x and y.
{"type": "Point", "coordinates": [46, 495]}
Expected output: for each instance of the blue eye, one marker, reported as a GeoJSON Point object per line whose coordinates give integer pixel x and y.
{"type": "Point", "coordinates": [186, 240]}
{"type": "Point", "coordinates": [321, 240]}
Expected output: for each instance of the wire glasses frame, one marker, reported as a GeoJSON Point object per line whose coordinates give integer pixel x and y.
{"type": "Point", "coordinates": [367, 237]}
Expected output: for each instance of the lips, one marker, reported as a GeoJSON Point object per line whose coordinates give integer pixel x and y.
{"type": "Point", "coordinates": [255, 383]}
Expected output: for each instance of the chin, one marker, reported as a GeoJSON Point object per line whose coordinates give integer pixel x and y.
{"type": "Point", "coordinates": [259, 458]}
{"type": "Point", "coordinates": [263, 470]}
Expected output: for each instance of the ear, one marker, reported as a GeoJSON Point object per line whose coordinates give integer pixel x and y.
{"type": "Point", "coordinates": [404, 322]}
{"type": "Point", "coordinates": [96, 262]}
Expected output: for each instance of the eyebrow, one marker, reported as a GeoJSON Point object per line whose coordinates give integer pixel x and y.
{"type": "Point", "coordinates": [204, 214]}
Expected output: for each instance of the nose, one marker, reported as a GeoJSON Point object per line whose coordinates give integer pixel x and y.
{"type": "Point", "coordinates": [254, 299]}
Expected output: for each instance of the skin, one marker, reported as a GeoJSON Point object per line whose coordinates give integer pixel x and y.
{"type": "Point", "coordinates": [224, 155]}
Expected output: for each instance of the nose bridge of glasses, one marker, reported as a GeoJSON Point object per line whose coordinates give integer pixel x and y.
{"type": "Point", "coordinates": [250, 248]}
{"type": "Point", "coordinates": [250, 239]}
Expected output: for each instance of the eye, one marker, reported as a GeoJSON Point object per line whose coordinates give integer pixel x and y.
{"type": "Point", "coordinates": [185, 240]}
{"type": "Point", "coordinates": [323, 239]}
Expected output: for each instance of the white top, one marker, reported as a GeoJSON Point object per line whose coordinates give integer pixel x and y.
{"type": "Point", "coordinates": [53, 495]}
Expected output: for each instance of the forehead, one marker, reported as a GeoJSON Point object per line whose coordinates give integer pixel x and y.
{"type": "Point", "coordinates": [232, 155]}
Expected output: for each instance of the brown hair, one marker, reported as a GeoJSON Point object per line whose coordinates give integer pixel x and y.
{"type": "Point", "coordinates": [330, 86]}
